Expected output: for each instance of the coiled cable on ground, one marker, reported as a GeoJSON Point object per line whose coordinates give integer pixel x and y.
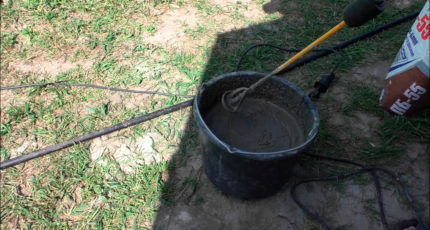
{"type": "Point", "coordinates": [324, 52]}
{"type": "Point", "coordinates": [363, 169]}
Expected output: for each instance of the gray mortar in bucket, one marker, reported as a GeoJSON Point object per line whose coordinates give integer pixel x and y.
{"type": "Point", "coordinates": [273, 125]}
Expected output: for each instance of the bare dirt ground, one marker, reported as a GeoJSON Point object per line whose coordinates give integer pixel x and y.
{"type": "Point", "coordinates": [197, 203]}
{"type": "Point", "coordinates": [51, 68]}
{"type": "Point", "coordinates": [206, 207]}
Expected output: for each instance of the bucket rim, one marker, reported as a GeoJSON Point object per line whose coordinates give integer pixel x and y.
{"type": "Point", "coordinates": [256, 155]}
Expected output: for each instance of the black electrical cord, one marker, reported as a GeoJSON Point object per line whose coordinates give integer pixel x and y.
{"type": "Point", "coordinates": [50, 149]}
{"type": "Point", "coordinates": [320, 86]}
{"type": "Point", "coordinates": [125, 124]}
{"type": "Point", "coordinates": [363, 169]}
{"type": "Point", "coordinates": [345, 44]}
{"type": "Point", "coordinates": [95, 87]}
{"type": "Point", "coordinates": [137, 120]}
{"type": "Point", "coordinates": [345, 161]}
{"type": "Point", "coordinates": [239, 63]}
{"type": "Point", "coordinates": [325, 52]}
{"type": "Point", "coordinates": [330, 50]}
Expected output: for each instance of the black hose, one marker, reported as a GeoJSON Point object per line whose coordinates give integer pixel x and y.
{"type": "Point", "coordinates": [363, 169]}
{"type": "Point", "coordinates": [331, 50]}
{"type": "Point", "coordinates": [345, 44]}
{"type": "Point", "coordinates": [311, 214]}
{"type": "Point", "coordinates": [77, 140]}
{"type": "Point", "coordinates": [302, 61]}
{"type": "Point", "coordinates": [346, 161]}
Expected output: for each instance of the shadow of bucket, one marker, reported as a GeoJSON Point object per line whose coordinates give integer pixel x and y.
{"type": "Point", "coordinates": [252, 174]}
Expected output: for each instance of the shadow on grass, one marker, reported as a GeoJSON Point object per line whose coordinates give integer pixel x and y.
{"type": "Point", "coordinates": [190, 200]}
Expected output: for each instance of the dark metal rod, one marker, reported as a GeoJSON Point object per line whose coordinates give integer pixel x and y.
{"type": "Point", "coordinates": [345, 44]}
{"type": "Point", "coordinates": [77, 140]}
{"type": "Point", "coordinates": [140, 119]}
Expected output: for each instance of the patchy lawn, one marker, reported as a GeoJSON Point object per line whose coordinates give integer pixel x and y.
{"type": "Point", "coordinates": [172, 46]}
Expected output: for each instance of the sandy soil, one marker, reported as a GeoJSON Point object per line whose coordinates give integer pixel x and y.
{"type": "Point", "coordinates": [206, 207]}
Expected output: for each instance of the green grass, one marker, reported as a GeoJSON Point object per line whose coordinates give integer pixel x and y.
{"type": "Point", "coordinates": [363, 98]}
{"type": "Point", "coordinates": [395, 128]}
{"type": "Point", "coordinates": [104, 202]}
{"type": "Point", "coordinates": [67, 190]}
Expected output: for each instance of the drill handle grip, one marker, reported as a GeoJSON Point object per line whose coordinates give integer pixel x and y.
{"type": "Point", "coordinates": [360, 11]}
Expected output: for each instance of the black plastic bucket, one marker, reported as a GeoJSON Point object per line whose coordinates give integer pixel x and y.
{"type": "Point", "coordinates": [252, 174]}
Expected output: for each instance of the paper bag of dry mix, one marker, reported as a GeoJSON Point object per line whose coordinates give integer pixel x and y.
{"type": "Point", "coordinates": [407, 84]}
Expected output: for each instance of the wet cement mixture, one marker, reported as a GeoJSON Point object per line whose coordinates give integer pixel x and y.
{"type": "Point", "coordinates": [258, 126]}
{"type": "Point", "coordinates": [349, 204]}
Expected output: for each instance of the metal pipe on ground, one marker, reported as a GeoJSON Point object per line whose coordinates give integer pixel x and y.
{"type": "Point", "coordinates": [99, 133]}
{"type": "Point", "coordinates": [42, 152]}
